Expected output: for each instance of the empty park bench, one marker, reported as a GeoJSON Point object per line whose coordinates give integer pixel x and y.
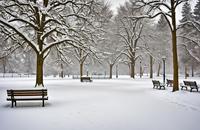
{"type": "Point", "coordinates": [191, 84]}
{"type": "Point", "coordinates": [157, 84]}
{"type": "Point", "coordinates": [169, 83]}
{"type": "Point", "coordinates": [86, 79]}
{"type": "Point", "coordinates": [26, 95]}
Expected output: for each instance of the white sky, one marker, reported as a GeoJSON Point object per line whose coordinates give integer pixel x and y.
{"type": "Point", "coordinates": [115, 4]}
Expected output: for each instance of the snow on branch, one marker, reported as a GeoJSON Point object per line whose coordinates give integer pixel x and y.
{"type": "Point", "coordinates": [57, 42]}
{"type": "Point", "coordinates": [21, 34]}
{"type": "Point", "coordinates": [55, 4]}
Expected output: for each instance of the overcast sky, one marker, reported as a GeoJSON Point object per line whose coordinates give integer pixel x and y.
{"type": "Point", "coordinates": [115, 4]}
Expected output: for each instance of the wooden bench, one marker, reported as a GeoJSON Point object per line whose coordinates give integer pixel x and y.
{"type": "Point", "coordinates": [169, 83]}
{"type": "Point", "coordinates": [191, 84]}
{"type": "Point", "coordinates": [157, 84]}
{"type": "Point", "coordinates": [26, 95]}
{"type": "Point", "coordinates": [86, 79]}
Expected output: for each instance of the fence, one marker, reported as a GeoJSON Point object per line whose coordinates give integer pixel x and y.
{"type": "Point", "coordinates": [14, 75]}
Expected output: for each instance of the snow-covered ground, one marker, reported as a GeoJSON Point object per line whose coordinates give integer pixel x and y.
{"type": "Point", "coordinates": [118, 104]}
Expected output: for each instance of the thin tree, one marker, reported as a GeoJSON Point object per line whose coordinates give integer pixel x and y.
{"type": "Point", "coordinates": [130, 32]}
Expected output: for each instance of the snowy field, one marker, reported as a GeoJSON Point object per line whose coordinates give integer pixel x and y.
{"type": "Point", "coordinates": [118, 104]}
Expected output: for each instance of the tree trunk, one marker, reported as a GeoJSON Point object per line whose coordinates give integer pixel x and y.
{"type": "Point", "coordinates": [4, 65]}
{"type": "Point", "coordinates": [116, 71]}
{"type": "Point", "coordinates": [192, 71]}
{"type": "Point", "coordinates": [133, 70]}
{"type": "Point", "coordinates": [151, 66]}
{"type": "Point", "coordinates": [39, 70]}
{"type": "Point", "coordinates": [81, 70]}
{"type": "Point", "coordinates": [129, 69]}
{"type": "Point", "coordinates": [186, 74]}
{"type": "Point", "coordinates": [111, 67]}
{"type": "Point", "coordinates": [61, 73]}
{"type": "Point", "coordinates": [159, 66]}
{"type": "Point", "coordinates": [141, 72]}
{"type": "Point", "coordinates": [174, 49]}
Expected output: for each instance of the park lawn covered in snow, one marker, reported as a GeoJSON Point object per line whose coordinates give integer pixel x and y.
{"type": "Point", "coordinates": [118, 104]}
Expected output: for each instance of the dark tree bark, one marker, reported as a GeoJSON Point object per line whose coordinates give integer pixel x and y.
{"type": "Point", "coordinates": [151, 66]}
{"type": "Point", "coordinates": [174, 49]}
{"type": "Point", "coordinates": [4, 65]}
{"type": "Point", "coordinates": [40, 57]}
{"type": "Point", "coordinates": [141, 72]}
{"type": "Point", "coordinates": [116, 71]}
{"type": "Point", "coordinates": [61, 73]}
{"type": "Point", "coordinates": [158, 72]}
{"type": "Point", "coordinates": [186, 73]}
{"type": "Point", "coordinates": [81, 70]}
{"type": "Point", "coordinates": [133, 69]}
{"type": "Point", "coordinates": [39, 70]}
{"type": "Point", "coordinates": [192, 74]}
{"type": "Point", "coordinates": [111, 68]}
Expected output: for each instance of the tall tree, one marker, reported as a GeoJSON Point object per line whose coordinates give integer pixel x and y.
{"type": "Point", "coordinates": [155, 8]}
{"type": "Point", "coordinates": [42, 24]}
{"type": "Point", "coordinates": [186, 31]}
{"type": "Point", "coordinates": [130, 33]}
{"type": "Point", "coordinates": [162, 31]}
{"type": "Point", "coordinates": [110, 46]}
{"type": "Point", "coordinates": [197, 11]}
{"type": "Point", "coordinates": [186, 12]}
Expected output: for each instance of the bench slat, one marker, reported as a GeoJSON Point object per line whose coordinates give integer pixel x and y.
{"type": "Point", "coordinates": [27, 92]}
{"type": "Point", "coordinates": [25, 99]}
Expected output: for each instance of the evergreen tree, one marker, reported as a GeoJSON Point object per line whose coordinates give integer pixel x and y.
{"type": "Point", "coordinates": [162, 24]}
{"type": "Point", "coordinates": [188, 31]}
{"type": "Point", "coordinates": [186, 12]}
{"type": "Point", "coordinates": [197, 11]}
{"type": "Point", "coordinates": [186, 16]}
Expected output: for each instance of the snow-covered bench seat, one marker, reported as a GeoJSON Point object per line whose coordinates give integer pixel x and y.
{"type": "Point", "coordinates": [86, 79]}
{"type": "Point", "coordinates": [191, 84]}
{"type": "Point", "coordinates": [26, 95]}
{"type": "Point", "coordinates": [157, 84]}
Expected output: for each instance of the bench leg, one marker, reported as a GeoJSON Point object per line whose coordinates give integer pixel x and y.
{"type": "Point", "coordinates": [15, 103]}
{"type": "Point", "coordinates": [42, 103]}
{"type": "Point", "coordinates": [12, 102]}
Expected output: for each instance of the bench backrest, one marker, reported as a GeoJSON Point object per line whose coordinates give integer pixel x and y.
{"type": "Point", "coordinates": [187, 83]}
{"type": "Point", "coordinates": [156, 82]}
{"type": "Point", "coordinates": [169, 81]}
{"type": "Point", "coordinates": [190, 83]}
{"type": "Point", "coordinates": [194, 83]}
{"type": "Point", "coordinates": [36, 92]}
{"type": "Point", "coordinates": [86, 78]}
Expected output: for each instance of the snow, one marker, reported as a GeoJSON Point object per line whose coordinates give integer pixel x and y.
{"type": "Point", "coordinates": [117, 104]}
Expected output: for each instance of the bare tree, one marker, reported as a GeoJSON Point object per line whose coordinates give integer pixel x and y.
{"type": "Point", "coordinates": [42, 24]}
{"type": "Point", "coordinates": [166, 8]}
{"type": "Point", "coordinates": [130, 32]}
